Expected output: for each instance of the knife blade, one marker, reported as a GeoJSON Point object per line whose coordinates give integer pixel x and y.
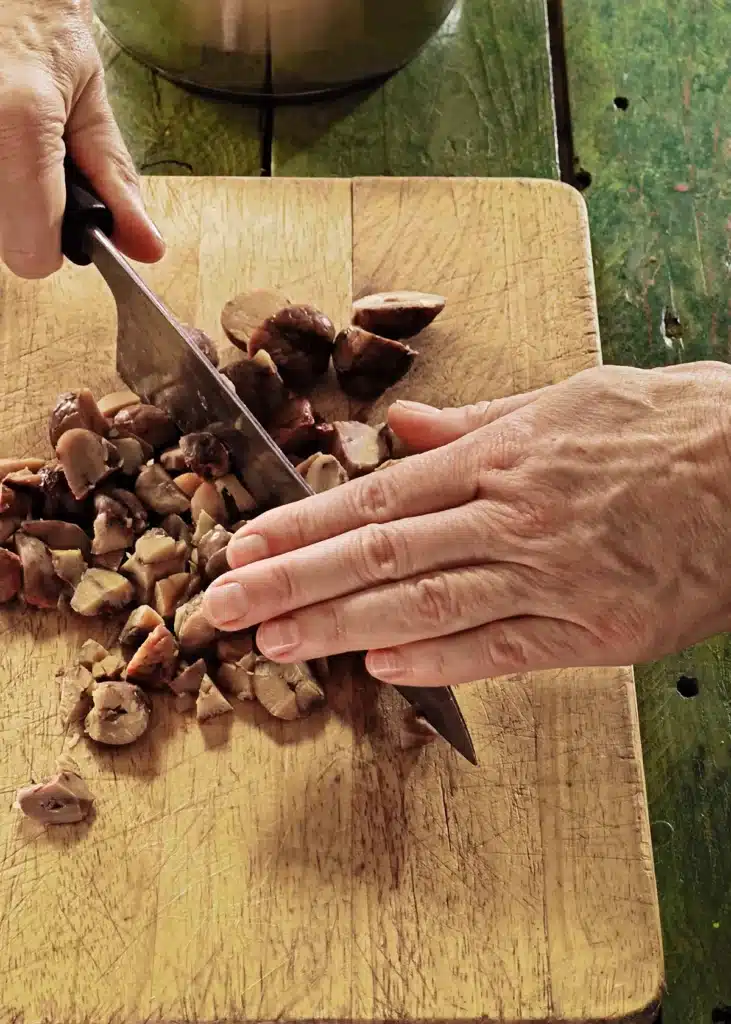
{"type": "Point", "coordinates": [158, 361]}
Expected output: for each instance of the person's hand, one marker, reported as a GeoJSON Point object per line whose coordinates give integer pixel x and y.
{"type": "Point", "coordinates": [52, 98]}
{"type": "Point", "coordinates": [588, 523]}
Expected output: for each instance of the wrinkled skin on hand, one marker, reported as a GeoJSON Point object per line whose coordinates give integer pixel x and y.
{"type": "Point", "coordinates": [587, 523]}
{"type": "Point", "coordinates": [52, 97]}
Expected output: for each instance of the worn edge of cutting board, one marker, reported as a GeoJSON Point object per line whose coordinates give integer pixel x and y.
{"type": "Point", "coordinates": [551, 976]}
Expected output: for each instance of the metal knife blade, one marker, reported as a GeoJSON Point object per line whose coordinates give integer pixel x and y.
{"type": "Point", "coordinates": [157, 360]}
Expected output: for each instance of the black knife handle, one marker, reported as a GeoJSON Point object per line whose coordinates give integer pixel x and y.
{"type": "Point", "coordinates": [83, 210]}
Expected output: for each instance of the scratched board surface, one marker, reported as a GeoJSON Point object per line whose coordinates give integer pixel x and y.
{"type": "Point", "coordinates": [258, 870]}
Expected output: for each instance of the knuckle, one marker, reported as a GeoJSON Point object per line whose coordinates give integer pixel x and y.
{"type": "Point", "coordinates": [280, 589]}
{"type": "Point", "coordinates": [433, 602]}
{"type": "Point", "coordinates": [504, 648]}
{"type": "Point", "coordinates": [372, 499]}
{"type": "Point", "coordinates": [377, 556]}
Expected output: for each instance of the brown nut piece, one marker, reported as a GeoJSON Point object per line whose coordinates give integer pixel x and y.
{"type": "Point", "coordinates": [234, 494]}
{"type": "Point", "coordinates": [177, 528]}
{"type": "Point", "coordinates": [235, 646]}
{"type": "Point", "coordinates": [112, 527]}
{"type": "Point", "coordinates": [73, 410]}
{"type": "Point", "coordinates": [69, 566]}
{"type": "Point", "coordinates": [131, 454]}
{"type": "Point", "coordinates": [86, 460]}
{"type": "Point", "coordinates": [8, 526]}
{"type": "Point", "coordinates": [396, 448]}
{"type": "Point", "coordinates": [397, 315]}
{"type": "Point", "coordinates": [112, 560]}
{"type": "Point", "coordinates": [135, 508]}
{"type": "Point", "coordinates": [322, 472]}
{"type": "Point", "coordinates": [209, 500]}
{"type": "Point", "coordinates": [101, 591]}
{"type": "Point", "coordinates": [359, 448]}
{"type": "Point", "coordinates": [190, 677]}
{"type": "Point", "coordinates": [155, 662]}
{"type": "Point", "coordinates": [170, 593]}
{"type": "Point", "coordinates": [245, 312]}
{"type": "Point", "coordinates": [75, 702]}
{"type": "Point", "coordinates": [9, 466]}
{"type": "Point", "coordinates": [188, 483]}
{"type": "Point", "coordinates": [192, 628]}
{"type": "Point", "coordinates": [149, 423]}
{"type": "Point", "coordinates": [172, 460]}
{"type": "Point", "coordinates": [115, 401]}
{"type": "Point", "coordinates": [59, 535]}
{"type": "Point", "coordinates": [120, 715]}
{"type": "Point", "coordinates": [64, 799]}
{"type": "Point", "coordinates": [41, 587]}
{"type": "Point", "coordinates": [258, 384]}
{"type": "Point", "coordinates": [205, 455]}
{"type": "Point", "coordinates": [415, 730]}
{"type": "Point", "coordinates": [203, 524]}
{"type": "Point", "coordinates": [202, 342]}
{"type": "Point", "coordinates": [91, 652]}
{"type": "Point", "coordinates": [11, 576]}
{"type": "Point", "coordinates": [237, 678]}
{"type": "Point", "coordinates": [108, 669]}
{"type": "Point", "coordinates": [297, 429]}
{"type": "Point", "coordinates": [367, 364]}
{"type": "Point", "coordinates": [273, 690]}
{"type": "Point", "coordinates": [213, 543]}
{"type": "Point", "coordinates": [141, 622]}
{"type": "Point", "coordinates": [210, 702]}
{"type": "Point", "coordinates": [155, 546]}
{"type": "Point", "coordinates": [156, 489]}
{"type": "Point", "coordinates": [300, 341]}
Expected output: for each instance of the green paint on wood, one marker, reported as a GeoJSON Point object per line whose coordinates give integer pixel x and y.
{"type": "Point", "coordinates": [659, 207]}
{"type": "Point", "coordinates": [475, 101]}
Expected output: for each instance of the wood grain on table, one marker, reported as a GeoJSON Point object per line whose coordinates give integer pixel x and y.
{"type": "Point", "coordinates": [263, 870]}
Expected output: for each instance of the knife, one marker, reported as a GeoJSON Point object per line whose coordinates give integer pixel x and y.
{"type": "Point", "coordinates": [157, 360]}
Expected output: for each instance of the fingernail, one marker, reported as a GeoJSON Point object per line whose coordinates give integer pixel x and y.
{"type": "Point", "coordinates": [278, 637]}
{"type": "Point", "coordinates": [388, 664]}
{"type": "Point", "coordinates": [243, 550]}
{"type": "Point", "coordinates": [226, 603]}
{"type": "Point", "coordinates": [420, 407]}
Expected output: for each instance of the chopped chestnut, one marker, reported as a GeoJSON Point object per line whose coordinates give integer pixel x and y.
{"type": "Point", "coordinates": [359, 448]}
{"type": "Point", "coordinates": [190, 677]}
{"type": "Point", "coordinates": [113, 527]}
{"type": "Point", "coordinates": [131, 453]}
{"type": "Point", "coordinates": [210, 702]}
{"type": "Point", "coordinates": [120, 714]}
{"type": "Point", "coordinates": [156, 489]}
{"type": "Point", "coordinates": [245, 312]}
{"type": "Point", "coordinates": [367, 364]}
{"type": "Point", "coordinates": [76, 409]}
{"type": "Point", "coordinates": [108, 669]}
{"type": "Point", "coordinates": [214, 542]}
{"type": "Point", "coordinates": [171, 592]}
{"type": "Point", "coordinates": [300, 341]}
{"type": "Point", "coordinates": [205, 455]}
{"type": "Point", "coordinates": [69, 565]}
{"type": "Point", "coordinates": [202, 342]}
{"type": "Point", "coordinates": [297, 428]}
{"type": "Point", "coordinates": [41, 587]}
{"type": "Point", "coordinates": [11, 575]}
{"type": "Point", "coordinates": [172, 460]}
{"type": "Point", "coordinates": [135, 508]}
{"type": "Point", "coordinates": [149, 423]}
{"type": "Point", "coordinates": [155, 662]}
{"type": "Point", "coordinates": [395, 447]}
{"type": "Point", "coordinates": [322, 472]}
{"type": "Point", "coordinates": [188, 483]}
{"type": "Point", "coordinates": [76, 690]}
{"type": "Point", "coordinates": [397, 315]}
{"type": "Point", "coordinates": [59, 535]}
{"type": "Point", "coordinates": [177, 528]}
{"type": "Point", "coordinates": [141, 622]}
{"type": "Point", "coordinates": [208, 499]}
{"type": "Point", "coordinates": [114, 402]}
{"type": "Point", "coordinates": [155, 546]}
{"type": "Point", "coordinates": [286, 691]}
{"type": "Point", "coordinates": [234, 494]}
{"type": "Point", "coordinates": [8, 466]}
{"type": "Point", "coordinates": [235, 646]}
{"type": "Point", "coordinates": [237, 678]}
{"type": "Point", "coordinates": [101, 591]}
{"type": "Point", "coordinates": [415, 730]}
{"type": "Point", "coordinates": [86, 459]}
{"type": "Point", "coordinates": [258, 384]}
{"type": "Point", "coordinates": [192, 628]}
{"type": "Point", "coordinates": [91, 652]}
{"type": "Point", "coordinates": [64, 799]}
{"type": "Point", "coordinates": [111, 560]}
{"type": "Point", "coordinates": [8, 526]}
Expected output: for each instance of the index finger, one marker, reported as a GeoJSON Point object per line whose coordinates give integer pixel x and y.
{"type": "Point", "coordinates": [417, 486]}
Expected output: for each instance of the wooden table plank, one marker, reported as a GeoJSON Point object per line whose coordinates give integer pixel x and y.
{"type": "Point", "coordinates": [172, 131]}
{"type": "Point", "coordinates": [476, 101]}
{"type": "Point", "coordinates": [659, 210]}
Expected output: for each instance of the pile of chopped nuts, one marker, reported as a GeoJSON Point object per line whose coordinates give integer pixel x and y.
{"type": "Point", "coordinates": [130, 516]}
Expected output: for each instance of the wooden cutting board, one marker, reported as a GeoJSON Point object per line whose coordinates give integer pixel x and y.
{"type": "Point", "coordinates": [312, 871]}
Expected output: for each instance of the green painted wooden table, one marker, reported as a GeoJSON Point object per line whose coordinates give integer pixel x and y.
{"type": "Point", "coordinates": [478, 100]}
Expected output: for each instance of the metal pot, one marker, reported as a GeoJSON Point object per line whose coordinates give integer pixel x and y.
{"type": "Point", "coordinates": [277, 47]}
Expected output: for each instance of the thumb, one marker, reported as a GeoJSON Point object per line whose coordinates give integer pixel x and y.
{"type": "Point", "coordinates": [95, 143]}
{"type": "Point", "coordinates": [423, 427]}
